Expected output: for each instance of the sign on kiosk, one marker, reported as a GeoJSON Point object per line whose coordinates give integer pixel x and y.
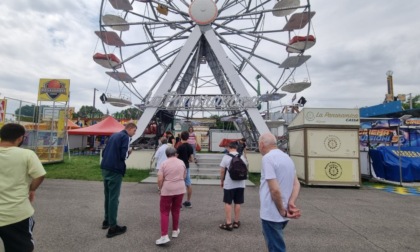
{"type": "Point", "coordinates": [54, 90]}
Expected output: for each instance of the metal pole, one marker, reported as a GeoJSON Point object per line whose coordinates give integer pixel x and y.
{"type": "Point", "coordinates": [411, 101]}
{"type": "Point", "coordinates": [399, 154]}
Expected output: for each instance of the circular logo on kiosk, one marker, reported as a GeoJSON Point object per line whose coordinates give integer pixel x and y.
{"type": "Point", "coordinates": [332, 143]}
{"type": "Point", "coordinates": [310, 116]}
{"type": "Point", "coordinates": [333, 170]}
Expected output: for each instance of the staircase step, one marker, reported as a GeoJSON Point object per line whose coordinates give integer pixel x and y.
{"type": "Point", "coordinates": [197, 181]}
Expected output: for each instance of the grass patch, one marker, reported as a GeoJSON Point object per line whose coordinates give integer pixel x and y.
{"type": "Point", "coordinates": [254, 178]}
{"type": "Point", "coordinates": [87, 168]}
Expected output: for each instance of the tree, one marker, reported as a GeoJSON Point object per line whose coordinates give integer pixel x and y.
{"type": "Point", "coordinates": [26, 113]}
{"type": "Point", "coordinates": [89, 112]}
{"type": "Point", "coordinates": [415, 102]}
{"type": "Point", "coordinates": [223, 125]}
{"type": "Point", "coordinates": [130, 113]}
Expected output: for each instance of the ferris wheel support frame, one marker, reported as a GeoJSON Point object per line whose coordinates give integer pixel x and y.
{"type": "Point", "coordinates": [179, 62]}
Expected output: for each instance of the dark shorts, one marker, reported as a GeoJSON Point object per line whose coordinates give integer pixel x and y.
{"type": "Point", "coordinates": [236, 195]}
{"type": "Point", "coordinates": [18, 236]}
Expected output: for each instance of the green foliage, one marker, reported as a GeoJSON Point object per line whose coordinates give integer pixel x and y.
{"type": "Point", "coordinates": [415, 102]}
{"type": "Point", "coordinates": [223, 125]}
{"type": "Point", "coordinates": [87, 168]}
{"type": "Point", "coordinates": [130, 113]}
{"type": "Point", "coordinates": [89, 112]}
{"type": "Point", "coordinates": [28, 113]}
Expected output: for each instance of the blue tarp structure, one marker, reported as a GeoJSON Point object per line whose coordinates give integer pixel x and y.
{"type": "Point", "coordinates": [386, 163]}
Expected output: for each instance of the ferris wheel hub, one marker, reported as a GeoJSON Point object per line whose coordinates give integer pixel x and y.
{"type": "Point", "coordinates": [203, 12]}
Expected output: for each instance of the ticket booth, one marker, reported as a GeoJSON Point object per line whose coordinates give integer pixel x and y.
{"type": "Point", "coordinates": [324, 145]}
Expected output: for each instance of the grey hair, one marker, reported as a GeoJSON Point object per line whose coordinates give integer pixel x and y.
{"type": "Point", "coordinates": [164, 140]}
{"type": "Point", "coordinates": [170, 151]}
{"type": "Point", "coordinates": [268, 139]}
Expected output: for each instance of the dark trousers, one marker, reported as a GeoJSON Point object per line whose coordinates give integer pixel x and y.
{"type": "Point", "coordinates": [112, 188]}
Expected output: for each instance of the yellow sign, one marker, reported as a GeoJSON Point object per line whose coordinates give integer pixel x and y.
{"type": "Point", "coordinates": [340, 170]}
{"type": "Point", "coordinates": [54, 90]}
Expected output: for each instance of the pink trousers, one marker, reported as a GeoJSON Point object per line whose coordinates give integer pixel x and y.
{"type": "Point", "coordinates": [170, 204]}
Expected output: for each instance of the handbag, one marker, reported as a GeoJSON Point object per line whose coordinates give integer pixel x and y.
{"type": "Point", "coordinates": [197, 147]}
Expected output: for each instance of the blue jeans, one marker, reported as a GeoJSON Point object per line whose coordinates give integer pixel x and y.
{"type": "Point", "coordinates": [112, 188]}
{"type": "Point", "coordinates": [273, 235]}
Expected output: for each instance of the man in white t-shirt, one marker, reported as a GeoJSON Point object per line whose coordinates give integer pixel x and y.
{"type": "Point", "coordinates": [233, 190]}
{"type": "Point", "coordinates": [160, 155]}
{"type": "Point", "coordinates": [279, 189]}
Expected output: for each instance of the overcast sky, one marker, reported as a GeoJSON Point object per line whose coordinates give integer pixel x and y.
{"type": "Point", "coordinates": [357, 43]}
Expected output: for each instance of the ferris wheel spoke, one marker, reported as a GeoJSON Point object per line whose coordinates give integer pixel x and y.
{"type": "Point", "coordinates": [159, 62]}
{"type": "Point", "coordinates": [246, 60]}
{"type": "Point", "coordinates": [251, 34]}
{"type": "Point", "coordinates": [151, 47]}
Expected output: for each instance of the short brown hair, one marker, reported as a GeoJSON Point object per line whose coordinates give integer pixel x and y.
{"type": "Point", "coordinates": [185, 135]}
{"type": "Point", "coordinates": [130, 126]}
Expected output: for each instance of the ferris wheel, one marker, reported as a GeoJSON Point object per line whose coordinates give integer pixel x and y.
{"type": "Point", "coordinates": [201, 48]}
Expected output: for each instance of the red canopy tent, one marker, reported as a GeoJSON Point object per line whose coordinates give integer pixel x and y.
{"type": "Point", "coordinates": [106, 127]}
{"type": "Point", "coordinates": [72, 125]}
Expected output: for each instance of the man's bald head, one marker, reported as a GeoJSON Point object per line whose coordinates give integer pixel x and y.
{"type": "Point", "coordinates": [267, 142]}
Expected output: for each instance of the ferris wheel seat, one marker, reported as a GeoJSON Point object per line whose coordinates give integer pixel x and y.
{"type": "Point", "coordinates": [112, 20]}
{"type": "Point", "coordinates": [298, 21]}
{"type": "Point", "coordinates": [107, 60]}
{"type": "Point", "coordinates": [285, 4]}
{"type": "Point", "coordinates": [121, 5]}
{"type": "Point", "coordinates": [301, 43]}
{"type": "Point", "coordinates": [110, 38]}
{"type": "Point", "coordinates": [121, 76]}
{"type": "Point", "coordinates": [296, 87]}
{"type": "Point", "coordinates": [294, 61]}
{"type": "Point", "coordinates": [117, 102]}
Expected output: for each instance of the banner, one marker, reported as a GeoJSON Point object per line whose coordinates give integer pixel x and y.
{"type": "Point", "coordinates": [54, 90]}
{"type": "Point", "coordinates": [3, 104]}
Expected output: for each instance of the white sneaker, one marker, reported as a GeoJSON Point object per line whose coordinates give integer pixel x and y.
{"type": "Point", "coordinates": [175, 233]}
{"type": "Point", "coordinates": [162, 240]}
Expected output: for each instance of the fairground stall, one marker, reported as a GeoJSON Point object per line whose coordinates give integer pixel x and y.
{"type": "Point", "coordinates": [390, 148]}
{"type": "Point", "coordinates": [324, 146]}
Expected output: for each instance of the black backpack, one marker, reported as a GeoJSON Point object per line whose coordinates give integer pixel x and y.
{"type": "Point", "coordinates": [237, 168]}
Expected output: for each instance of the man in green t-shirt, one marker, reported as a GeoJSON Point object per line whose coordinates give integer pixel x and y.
{"type": "Point", "coordinates": [21, 173]}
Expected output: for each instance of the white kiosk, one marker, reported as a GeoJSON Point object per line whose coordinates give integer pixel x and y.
{"type": "Point", "coordinates": [324, 145]}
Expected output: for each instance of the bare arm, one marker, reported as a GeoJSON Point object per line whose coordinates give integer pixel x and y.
{"type": "Point", "coordinates": [295, 192]}
{"type": "Point", "coordinates": [292, 211]}
{"type": "Point", "coordinates": [222, 176]}
{"type": "Point", "coordinates": [34, 185]}
{"type": "Point", "coordinates": [160, 180]}
{"type": "Point", "coordinates": [276, 196]}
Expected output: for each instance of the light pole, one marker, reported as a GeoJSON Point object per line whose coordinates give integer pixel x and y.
{"type": "Point", "coordinates": [402, 119]}
{"type": "Point", "coordinates": [94, 99]}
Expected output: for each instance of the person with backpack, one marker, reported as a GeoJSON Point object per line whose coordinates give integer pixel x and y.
{"type": "Point", "coordinates": [233, 174]}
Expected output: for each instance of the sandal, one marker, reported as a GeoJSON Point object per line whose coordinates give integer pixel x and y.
{"type": "Point", "coordinates": [225, 226]}
{"type": "Point", "coordinates": [236, 224]}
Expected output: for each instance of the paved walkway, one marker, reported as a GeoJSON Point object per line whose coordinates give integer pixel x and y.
{"type": "Point", "coordinates": [69, 215]}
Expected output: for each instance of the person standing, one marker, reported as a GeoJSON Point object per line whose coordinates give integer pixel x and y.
{"type": "Point", "coordinates": [171, 183]}
{"type": "Point", "coordinates": [170, 137]}
{"type": "Point", "coordinates": [192, 140]}
{"type": "Point", "coordinates": [279, 189]}
{"type": "Point", "coordinates": [233, 190]}
{"type": "Point", "coordinates": [160, 154]}
{"type": "Point", "coordinates": [113, 169]}
{"type": "Point", "coordinates": [21, 173]}
{"type": "Point", "coordinates": [185, 153]}
{"type": "Point", "coordinates": [242, 147]}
